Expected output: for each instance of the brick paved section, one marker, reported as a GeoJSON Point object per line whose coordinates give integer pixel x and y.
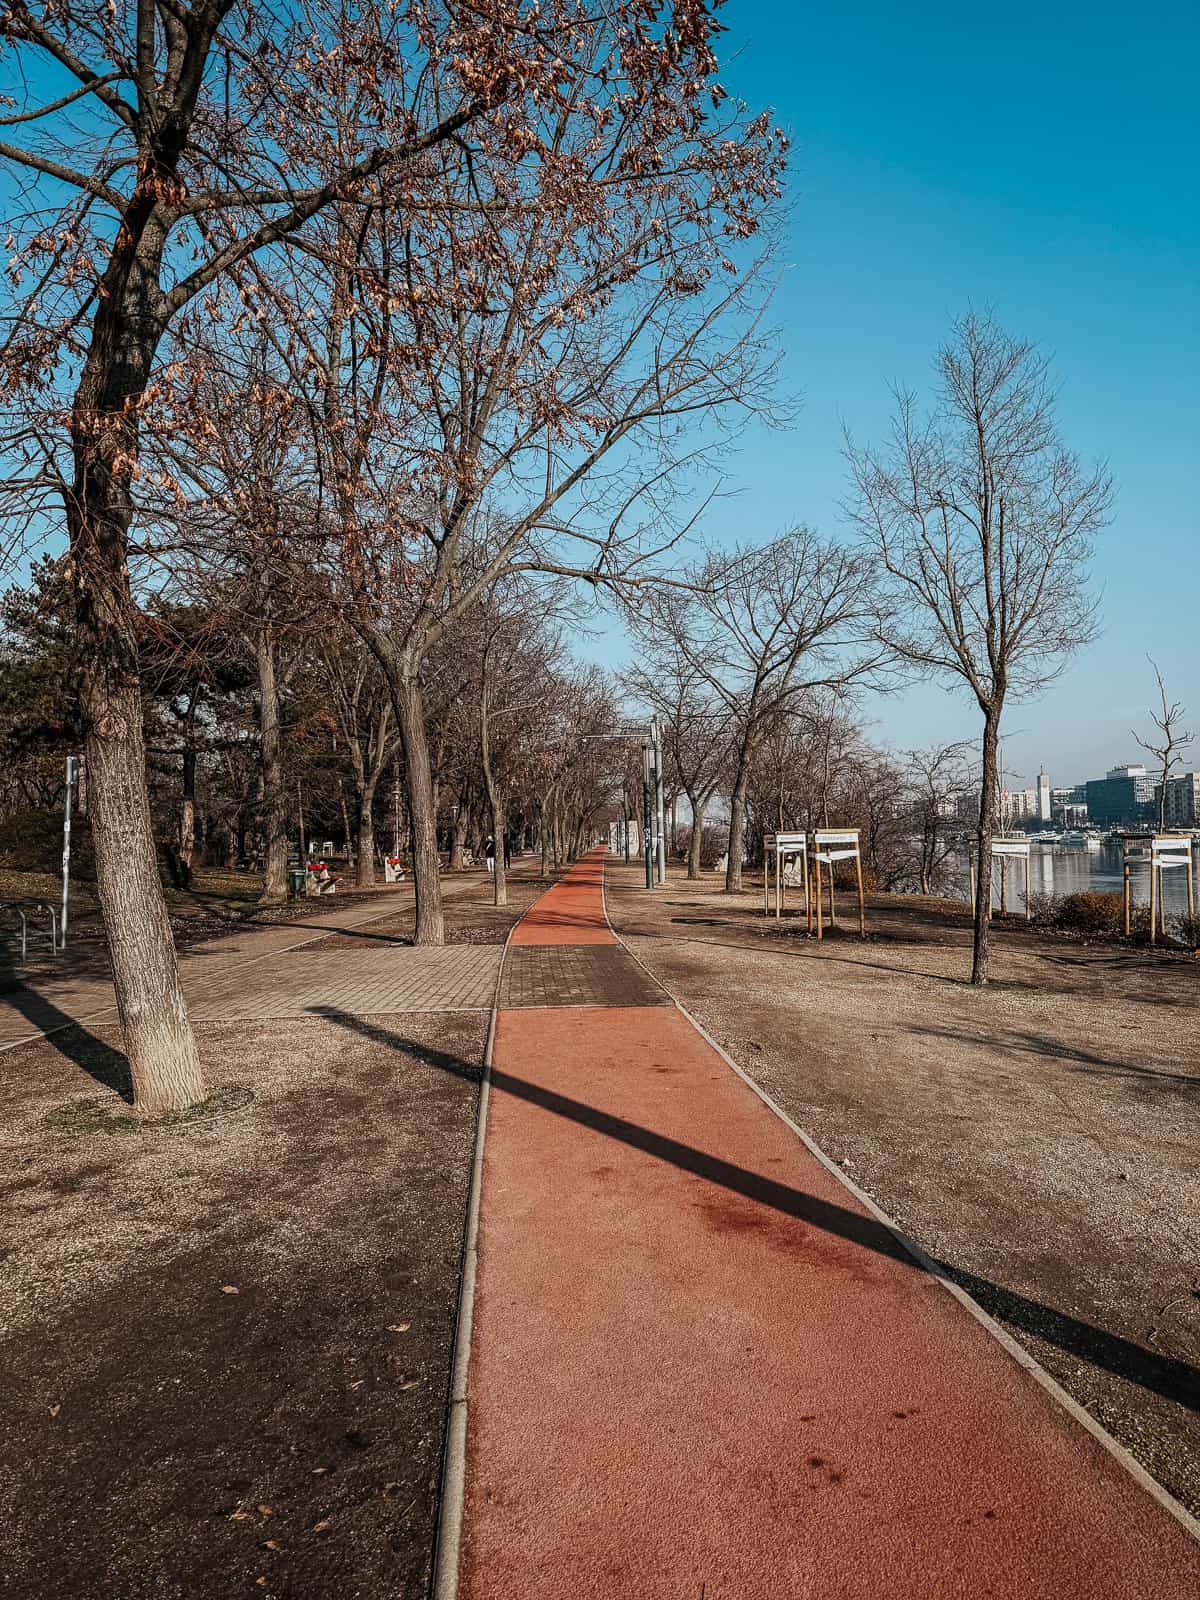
{"type": "Point", "coordinates": [576, 975]}
{"type": "Point", "coordinates": [452, 978]}
{"type": "Point", "coordinates": [250, 963]}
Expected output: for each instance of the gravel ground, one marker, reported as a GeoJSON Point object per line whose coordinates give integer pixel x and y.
{"type": "Point", "coordinates": [1039, 1137]}
{"type": "Point", "coordinates": [167, 1436]}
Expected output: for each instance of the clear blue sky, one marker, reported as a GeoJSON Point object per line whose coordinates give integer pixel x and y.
{"type": "Point", "coordinates": [1041, 161]}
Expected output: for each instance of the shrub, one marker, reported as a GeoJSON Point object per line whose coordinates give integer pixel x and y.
{"type": "Point", "coordinates": [1095, 911]}
{"type": "Point", "coordinates": [1045, 910]}
{"type": "Point", "coordinates": [1187, 930]}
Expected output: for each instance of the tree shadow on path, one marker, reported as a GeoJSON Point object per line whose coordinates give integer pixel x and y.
{"type": "Point", "coordinates": [103, 1062]}
{"type": "Point", "coordinates": [1174, 1380]}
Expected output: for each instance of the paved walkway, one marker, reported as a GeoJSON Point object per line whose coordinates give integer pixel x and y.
{"type": "Point", "coordinates": [701, 1370]}
{"type": "Point", "coordinates": [253, 973]}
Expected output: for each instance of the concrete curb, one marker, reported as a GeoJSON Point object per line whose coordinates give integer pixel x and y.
{"type": "Point", "coordinates": [1020, 1355]}
{"type": "Point", "coordinates": [447, 1538]}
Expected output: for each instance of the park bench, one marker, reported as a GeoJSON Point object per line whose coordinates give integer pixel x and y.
{"type": "Point", "coordinates": [312, 880]}
{"type": "Point", "coordinates": [30, 923]}
{"type": "Point", "coordinates": [319, 880]}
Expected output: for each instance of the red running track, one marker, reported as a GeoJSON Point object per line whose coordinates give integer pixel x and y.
{"type": "Point", "coordinates": [701, 1370]}
{"type": "Point", "coordinates": [570, 913]}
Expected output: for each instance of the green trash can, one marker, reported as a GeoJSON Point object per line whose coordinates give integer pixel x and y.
{"type": "Point", "coordinates": [296, 877]}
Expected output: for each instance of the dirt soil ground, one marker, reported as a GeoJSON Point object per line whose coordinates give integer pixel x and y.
{"type": "Point", "coordinates": [1039, 1137]}
{"type": "Point", "coordinates": [167, 1436]}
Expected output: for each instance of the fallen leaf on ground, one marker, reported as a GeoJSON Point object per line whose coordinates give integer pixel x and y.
{"type": "Point", "coordinates": [272, 1544]}
{"type": "Point", "coordinates": [239, 1515]}
{"type": "Point", "coordinates": [412, 1384]}
{"type": "Point", "coordinates": [323, 1526]}
{"type": "Point", "coordinates": [54, 1410]}
{"type": "Point", "coordinates": [230, 1288]}
{"type": "Point", "coordinates": [264, 1511]}
{"type": "Point", "coordinates": [399, 1327]}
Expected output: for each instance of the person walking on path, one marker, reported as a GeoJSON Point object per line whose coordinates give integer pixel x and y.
{"type": "Point", "coordinates": [490, 851]}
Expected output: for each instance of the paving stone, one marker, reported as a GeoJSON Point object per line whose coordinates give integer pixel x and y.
{"type": "Point", "coordinates": [576, 975]}
{"type": "Point", "coordinates": [252, 971]}
{"type": "Point", "coordinates": [357, 983]}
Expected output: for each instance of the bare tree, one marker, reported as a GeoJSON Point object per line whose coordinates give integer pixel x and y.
{"type": "Point", "coordinates": [179, 139]}
{"type": "Point", "coordinates": [983, 524]}
{"type": "Point", "coordinates": [1169, 743]}
{"type": "Point", "coordinates": [933, 779]}
{"type": "Point", "coordinates": [764, 629]}
{"type": "Point", "coordinates": [503, 381]}
{"type": "Point", "coordinates": [697, 733]}
{"type": "Point", "coordinates": [363, 708]}
{"type": "Point", "coordinates": [514, 654]}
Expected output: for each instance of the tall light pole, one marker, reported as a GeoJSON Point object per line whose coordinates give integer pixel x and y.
{"type": "Point", "coordinates": [72, 775]}
{"type": "Point", "coordinates": [656, 735]}
{"type": "Point", "coordinates": [651, 781]}
{"type": "Point", "coordinates": [647, 811]}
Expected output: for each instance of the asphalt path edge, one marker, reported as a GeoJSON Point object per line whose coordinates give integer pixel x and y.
{"type": "Point", "coordinates": [447, 1537]}
{"type": "Point", "coordinates": [1019, 1354]}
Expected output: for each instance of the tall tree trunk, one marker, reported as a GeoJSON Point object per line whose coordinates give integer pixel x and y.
{"type": "Point", "coordinates": [187, 809]}
{"type": "Point", "coordinates": [274, 812]}
{"type": "Point", "coordinates": [364, 872]}
{"type": "Point", "coordinates": [427, 887]}
{"type": "Point", "coordinates": [159, 1042]}
{"type": "Point", "coordinates": [458, 837]}
{"type": "Point", "coordinates": [163, 1062]}
{"type": "Point", "coordinates": [696, 842]}
{"type": "Point", "coordinates": [983, 848]}
{"type": "Point", "coordinates": [499, 825]}
{"type": "Point", "coordinates": [737, 823]}
{"type": "Point", "coordinates": [345, 824]}
{"type": "Point", "coordinates": [495, 793]}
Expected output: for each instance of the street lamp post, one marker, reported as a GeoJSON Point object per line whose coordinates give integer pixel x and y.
{"type": "Point", "coordinates": [652, 796]}
{"type": "Point", "coordinates": [72, 776]}
{"type": "Point", "coordinates": [660, 814]}
{"type": "Point", "coordinates": [647, 814]}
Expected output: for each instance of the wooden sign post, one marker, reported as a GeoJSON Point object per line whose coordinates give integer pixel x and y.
{"type": "Point", "coordinates": [1004, 847]}
{"type": "Point", "coordinates": [1160, 852]}
{"type": "Point", "coordinates": [777, 847]}
{"type": "Point", "coordinates": [838, 844]}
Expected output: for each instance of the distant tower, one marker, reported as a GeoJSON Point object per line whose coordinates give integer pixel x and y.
{"type": "Point", "coordinates": [1043, 792]}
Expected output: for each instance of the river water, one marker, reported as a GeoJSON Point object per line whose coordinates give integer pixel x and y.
{"type": "Point", "coordinates": [1054, 869]}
